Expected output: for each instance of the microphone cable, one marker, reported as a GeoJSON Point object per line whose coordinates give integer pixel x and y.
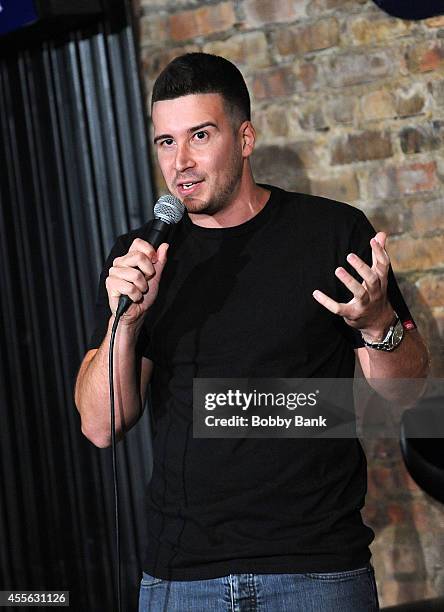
{"type": "Point", "coordinates": [167, 211]}
{"type": "Point", "coordinates": [114, 455]}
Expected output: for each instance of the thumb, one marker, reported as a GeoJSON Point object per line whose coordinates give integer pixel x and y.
{"type": "Point", "coordinates": [161, 257]}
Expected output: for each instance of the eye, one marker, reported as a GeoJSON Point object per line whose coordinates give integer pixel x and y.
{"type": "Point", "coordinates": [167, 142]}
{"type": "Point", "coordinates": [202, 135]}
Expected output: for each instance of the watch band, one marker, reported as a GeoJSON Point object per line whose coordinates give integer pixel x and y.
{"type": "Point", "coordinates": [392, 338]}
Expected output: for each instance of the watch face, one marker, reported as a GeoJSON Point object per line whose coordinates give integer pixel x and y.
{"type": "Point", "coordinates": [398, 332]}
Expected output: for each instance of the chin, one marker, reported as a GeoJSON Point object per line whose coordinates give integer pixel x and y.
{"type": "Point", "coordinates": [195, 206]}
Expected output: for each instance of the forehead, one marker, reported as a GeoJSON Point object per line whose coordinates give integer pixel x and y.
{"type": "Point", "coordinates": [184, 112]}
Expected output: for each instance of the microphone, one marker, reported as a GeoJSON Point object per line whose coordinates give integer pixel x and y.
{"type": "Point", "coordinates": [168, 211]}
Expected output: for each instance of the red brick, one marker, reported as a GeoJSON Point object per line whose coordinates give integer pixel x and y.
{"type": "Point", "coordinates": [371, 513]}
{"type": "Point", "coordinates": [295, 156]}
{"type": "Point", "coordinates": [417, 177]}
{"type": "Point", "coordinates": [437, 342]}
{"type": "Point", "coordinates": [307, 154]}
{"type": "Point", "coordinates": [393, 219]}
{"type": "Point", "coordinates": [435, 22]}
{"type": "Point", "coordinates": [285, 165]}
{"type": "Point", "coordinates": [319, 6]}
{"type": "Point", "coordinates": [378, 105]}
{"type": "Point", "coordinates": [343, 187]}
{"type": "Point", "coordinates": [307, 77]}
{"type": "Point", "coordinates": [396, 513]}
{"type": "Point", "coordinates": [361, 147]}
{"type": "Point", "coordinates": [354, 68]}
{"type": "Point", "coordinates": [426, 216]}
{"type": "Point", "coordinates": [271, 122]}
{"type": "Point", "coordinates": [410, 484]}
{"type": "Point", "coordinates": [407, 253]}
{"type": "Point", "coordinates": [274, 83]}
{"type": "Point", "coordinates": [437, 90]}
{"type": "Point", "coordinates": [371, 29]}
{"type": "Point", "coordinates": [394, 181]}
{"type": "Point", "coordinates": [342, 109]}
{"type": "Point", "coordinates": [392, 592]}
{"type": "Point", "coordinates": [248, 48]}
{"type": "Point", "coordinates": [263, 12]}
{"type": "Point", "coordinates": [383, 481]}
{"type": "Point", "coordinates": [154, 29]}
{"type": "Point", "coordinates": [311, 117]}
{"type": "Point", "coordinates": [410, 102]}
{"type": "Point", "coordinates": [431, 288]}
{"type": "Point", "coordinates": [425, 57]}
{"type": "Point", "coordinates": [407, 563]}
{"type": "Point", "coordinates": [202, 21]}
{"type": "Point", "coordinates": [421, 512]}
{"type": "Point", "coordinates": [425, 137]}
{"type": "Point", "coordinates": [302, 39]}
{"type": "Point", "coordinates": [159, 181]}
{"type": "Point", "coordinates": [381, 450]}
{"type": "Point", "coordinates": [153, 62]}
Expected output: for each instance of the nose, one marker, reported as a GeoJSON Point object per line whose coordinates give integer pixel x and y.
{"type": "Point", "coordinates": [184, 159]}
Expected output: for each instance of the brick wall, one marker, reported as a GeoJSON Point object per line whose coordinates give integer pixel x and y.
{"type": "Point", "coordinates": [349, 104]}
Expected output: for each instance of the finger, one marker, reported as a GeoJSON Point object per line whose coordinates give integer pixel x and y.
{"type": "Point", "coordinates": [327, 301]}
{"type": "Point", "coordinates": [379, 254]}
{"type": "Point", "coordinates": [117, 287]}
{"type": "Point", "coordinates": [132, 275]}
{"type": "Point", "coordinates": [162, 254]}
{"type": "Point", "coordinates": [143, 247]}
{"type": "Point", "coordinates": [370, 277]}
{"type": "Point", "coordinates": [381, 238]}
{"type": "Point", "coordinates": [358, 290]}
{"type": "Point", "coordinates": [161, 261]}
{"type": "Point", "coordinates": [136, 259]}
{"type": "Point", "coordinates": [381, 262]}
{"type": "Point", "coordinates": [348, 311]}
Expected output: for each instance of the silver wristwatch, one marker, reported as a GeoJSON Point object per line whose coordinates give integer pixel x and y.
{"type": "Point", "coordinates": [392, 338]}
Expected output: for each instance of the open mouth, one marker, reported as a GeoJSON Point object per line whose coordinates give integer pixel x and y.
{"type": "Point", "coordinates": [189, 187]}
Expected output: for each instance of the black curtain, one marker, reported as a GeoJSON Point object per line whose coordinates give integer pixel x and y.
{"type": "Point", "coordinates": [74, 173]}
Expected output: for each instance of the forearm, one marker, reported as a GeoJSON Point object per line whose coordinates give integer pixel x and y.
{"type": "Point", "coordinates": [92, 388]}
{"type": "Point", "coordinates": [408, 360]}
{"type": "Point", "coordinates": [398, 374]}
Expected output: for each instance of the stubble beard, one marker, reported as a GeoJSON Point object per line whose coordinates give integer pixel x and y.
{"type": "Point", "coordinates": [225, 193]}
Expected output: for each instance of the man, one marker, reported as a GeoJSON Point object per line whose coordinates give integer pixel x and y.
{"type": "Point", "coordinates": [256, 285]}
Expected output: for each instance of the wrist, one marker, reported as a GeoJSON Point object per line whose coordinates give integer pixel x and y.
{"type": "Point", "coordinates": [127, 330]}
{"type": "Point", "coordinates": [378, 331]}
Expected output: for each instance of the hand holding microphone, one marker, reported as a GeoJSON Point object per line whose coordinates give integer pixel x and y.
{"type": "Point", "coordinates": [133, 279]}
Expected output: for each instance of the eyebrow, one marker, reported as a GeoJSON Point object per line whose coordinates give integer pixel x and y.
{"type": "Point", "coordinates": [190, 130]}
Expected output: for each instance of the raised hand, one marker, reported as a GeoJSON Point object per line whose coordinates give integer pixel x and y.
{"type": "Point", "coordinates": [369, 310]}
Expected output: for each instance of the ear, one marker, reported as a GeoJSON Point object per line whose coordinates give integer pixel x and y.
{"type": "Point", "coordinates": [248, 135]}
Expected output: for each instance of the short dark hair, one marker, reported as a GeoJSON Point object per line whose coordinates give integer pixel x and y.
{"type": "Point", "coordinates": [195, 73]}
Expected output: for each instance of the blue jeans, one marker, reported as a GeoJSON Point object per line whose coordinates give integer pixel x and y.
{"type": "Point", "coordinates": [350, 591]}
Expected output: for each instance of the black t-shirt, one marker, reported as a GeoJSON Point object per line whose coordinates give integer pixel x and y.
{"type": "Point", "coordinates": [237, 303]}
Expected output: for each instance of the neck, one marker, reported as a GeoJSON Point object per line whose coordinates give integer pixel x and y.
{"type": "Point", "coordinates": [246, 202]}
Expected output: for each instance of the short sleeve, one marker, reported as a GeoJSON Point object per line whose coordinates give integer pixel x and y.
{"type": "Point", "coordinates": [360, 238]}
{"type": "Point", "coordinates": [102, 311]}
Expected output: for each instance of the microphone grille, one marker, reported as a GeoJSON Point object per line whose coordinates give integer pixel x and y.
{"type": "Point", "coordinates": [169, 209]}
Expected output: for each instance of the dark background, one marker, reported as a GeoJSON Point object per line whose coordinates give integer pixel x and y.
{"type": "Point", "coordinates": [74, 173]}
